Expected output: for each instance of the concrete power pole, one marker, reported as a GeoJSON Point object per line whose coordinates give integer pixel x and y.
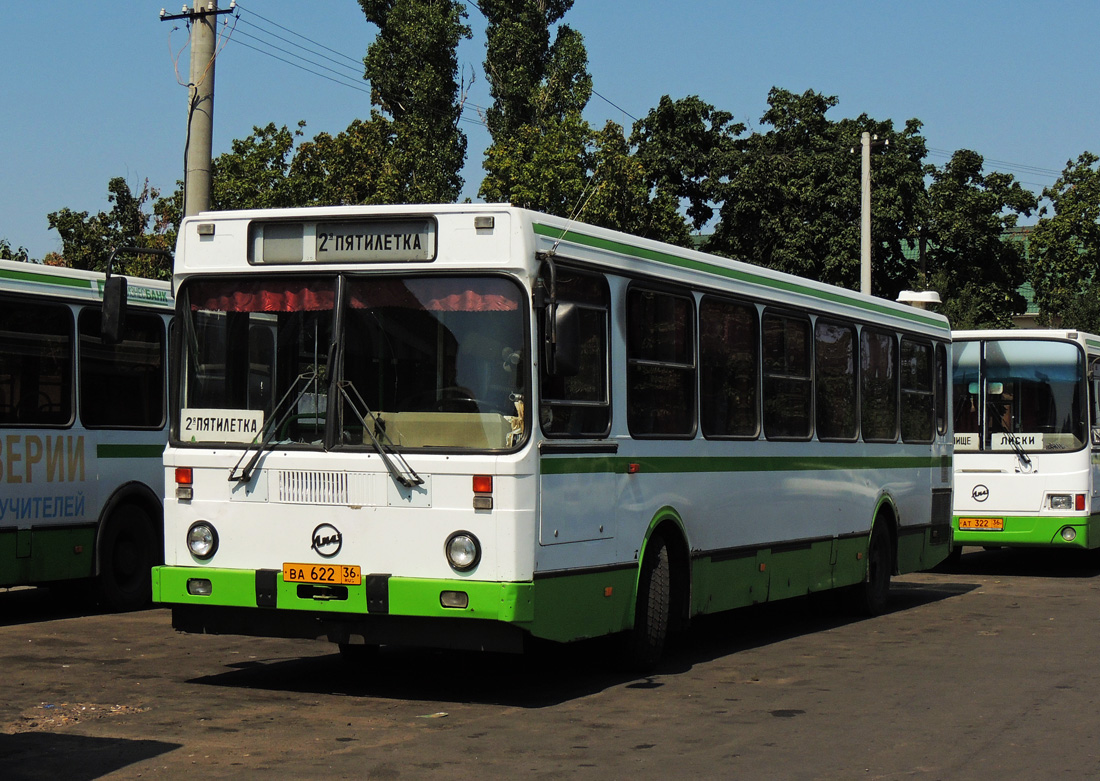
{"type": "Point", "coordinates": [200, 103]}
{"type": "Point", "coordinates": [866, 142]}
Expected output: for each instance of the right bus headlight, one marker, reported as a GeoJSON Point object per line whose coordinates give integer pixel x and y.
{"type": "Point", "coordinates": [202, 539]}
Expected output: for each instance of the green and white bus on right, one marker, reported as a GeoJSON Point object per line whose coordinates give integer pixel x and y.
{"type": "Point", "coordinates": [1027, 439]}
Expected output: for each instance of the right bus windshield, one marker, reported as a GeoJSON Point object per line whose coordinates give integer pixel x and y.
{"type": "Point", "coordinates": [1019, 393]}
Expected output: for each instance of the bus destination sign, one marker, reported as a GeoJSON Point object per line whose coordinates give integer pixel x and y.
{"type": "Point", "coordinates": [375, 242]}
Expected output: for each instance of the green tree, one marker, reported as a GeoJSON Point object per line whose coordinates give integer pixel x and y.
{"type": "Point", "coordinates": [965, 256]}
{"type": "Point", "coordinates": [7, 253]}
{"type": "Point", "coordinates": [684, 147]}
{"type": "Point", "coordinates": [1065, 270]}
{"type": "Point", "coordinates": [792, 196]}
{"type": "Point", "coordinates": [539, 156]}
{"type": "Point", "coordinates": [87, 241]}
{"type": "Point", "coordinates": [412, 66]}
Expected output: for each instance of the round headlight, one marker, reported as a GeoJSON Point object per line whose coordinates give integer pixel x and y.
{"type": "Point", "coordinates": [202, 540]}
{"type": "Point", "coordinates": [1069, 534]}
{"type": "Point", "coordinates": [463, 551]}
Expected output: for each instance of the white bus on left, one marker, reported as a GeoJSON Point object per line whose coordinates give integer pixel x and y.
{"type": "Point", "coordinates": [82, 432]}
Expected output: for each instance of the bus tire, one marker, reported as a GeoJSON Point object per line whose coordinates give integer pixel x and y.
{"type": "Point", "coordinates": [127, 555]}
{"type": "Point", "coordinates": [873, 592]}
{"type": "Point", "coordinates": [646, 641]}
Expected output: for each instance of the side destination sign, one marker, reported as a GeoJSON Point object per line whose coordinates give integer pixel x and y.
{"type": "Point", "coordinates": [221, 425]}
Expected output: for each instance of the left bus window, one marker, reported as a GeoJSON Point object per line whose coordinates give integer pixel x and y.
{"type": "Point", "coordinates": [228, 333]}
{"type": "Point", "coordinates": [122, 385]}
{"type": "Point", "coordinates": [36, 364]}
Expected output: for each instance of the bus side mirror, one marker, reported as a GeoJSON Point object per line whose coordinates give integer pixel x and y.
{"type": "Point", "coordinates": [563, 340]}
{"type": "Point", "coordinates": [113, 316]}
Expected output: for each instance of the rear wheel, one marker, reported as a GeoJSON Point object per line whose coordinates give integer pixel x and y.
{"type": "Point", "coordinates": [646, 641]}
{"type": "Point", "coordinates": [127, 555]}
{"type": "Point", "coordinates": [872, 594]}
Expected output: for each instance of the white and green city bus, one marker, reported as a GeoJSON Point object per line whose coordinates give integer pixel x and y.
{"type": "Point", "coordinates": [464, 426]}
{"type": "Point", "coordinates": [1026, 439]}
{"type": "Point", "coordinates": [83, 424]}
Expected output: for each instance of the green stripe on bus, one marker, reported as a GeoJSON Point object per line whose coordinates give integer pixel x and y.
{"type": "Point", "coordinates": [569, 465]}
{"type": "Point", "coordinates": [45, 279]}
{"type": "Point", "coordinates": [129, 451]}
{"type": "Point", "coordinates": [729, 273]}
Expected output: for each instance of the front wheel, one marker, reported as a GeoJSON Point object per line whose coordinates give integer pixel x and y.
{"type": "Point", "coordinates": [646, 641]}
{"type": "Point", "coordinates": [127, 555]}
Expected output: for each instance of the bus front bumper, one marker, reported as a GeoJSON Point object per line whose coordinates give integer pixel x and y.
{"type": "Point", "coordinates": [1074, 532]}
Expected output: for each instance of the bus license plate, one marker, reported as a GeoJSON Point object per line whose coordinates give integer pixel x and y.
{"type": "Point", "coordinates": [982, 524]}
{"type": "Point", "coordinates": [323, 574]}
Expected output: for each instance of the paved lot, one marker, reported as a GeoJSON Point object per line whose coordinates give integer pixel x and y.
{"type": "Point", "coordinates": [984, 671]}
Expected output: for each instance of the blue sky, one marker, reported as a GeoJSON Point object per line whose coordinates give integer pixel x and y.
{"type": "Point", "coordinates": [90, 90]}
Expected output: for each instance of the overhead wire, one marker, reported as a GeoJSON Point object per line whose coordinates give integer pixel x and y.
{"type": "Point", "coordinates": [469, 112]}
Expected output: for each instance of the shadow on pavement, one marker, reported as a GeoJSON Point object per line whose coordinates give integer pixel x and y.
{"type": "Point", "coordinates": [550, 674]}
{"type": "Point", "coordinates": [49, 755]}
{"type": "Point", "coordinates": [30, 605]}
{"type": "Point", "coordinates": [1026, 562]}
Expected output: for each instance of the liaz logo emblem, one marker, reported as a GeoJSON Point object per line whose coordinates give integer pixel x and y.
{"type": "Point", "coordinates": [327, 540]}
{"type": "Point", "coordinates": [980, 493]}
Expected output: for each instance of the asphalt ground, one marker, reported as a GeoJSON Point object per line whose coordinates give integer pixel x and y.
{"type": "Point", "coordinates": [984, 671]}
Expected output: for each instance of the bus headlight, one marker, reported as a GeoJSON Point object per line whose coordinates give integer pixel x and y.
{"type": "Point", "coordinates": [202, 540]}
{"type": "Point", "coordinates": [463, 551]}
{"type": "Point", "coordinates": [1061, 502]}
{"type": "Point", "coordinates": [1069, 534]}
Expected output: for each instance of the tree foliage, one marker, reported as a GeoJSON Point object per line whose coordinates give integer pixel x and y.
{"type": "Point", "coordinates": [412, 66]}
{"type": "Point", "coordinates": [1066, 245]}
{"type": "Point", "coordinates": [964, 254]}
{"type": "Point", "coordinates": [539, 156]}
{"type": "Point", "coordinates": [791, 198]}
{"type": "Point", "coordinates": [87, 241]}
{"type": "Point", "coordinates": [7, 253]}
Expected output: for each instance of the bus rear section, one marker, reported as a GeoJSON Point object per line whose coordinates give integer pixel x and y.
{"type": "Point", "coordinates": [1025, 407]}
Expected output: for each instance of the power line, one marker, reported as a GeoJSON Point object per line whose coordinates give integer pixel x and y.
{"type": "Point", "coordinates": [299, 35]}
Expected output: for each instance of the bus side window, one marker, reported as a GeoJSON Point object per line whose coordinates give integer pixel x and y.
{"type": "Point", "coordinates": [122, 384]}
{"type": "Point", "coordinates": [36, 364]}
{"type": "Point", "coordinates": [579, 404]}
{"type": "Point", "coordinates": [788, 382]}
{"type": "Point", "coordinates": [729, 368]}
{"type": "Point", "coordinates": [917, 391]}
{"type": "Point", "coordinates": [878, 361]}
{"type": "Point", "coordinates": [660, 373]}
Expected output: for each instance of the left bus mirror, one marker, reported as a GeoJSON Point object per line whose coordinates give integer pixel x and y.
{"type": "Point", "coordinates": [564, 340]}
{"type": "Point", "coordinates": [113, 317]}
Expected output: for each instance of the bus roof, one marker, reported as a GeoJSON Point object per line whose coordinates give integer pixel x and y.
{"type": "Point", "coordinates": [76, 284]}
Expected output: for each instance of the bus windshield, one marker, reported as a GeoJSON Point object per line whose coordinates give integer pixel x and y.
{"type": "Point", "coordinates": [1019, 394]}
{"type": "Point", "coordinates": [422, 361]}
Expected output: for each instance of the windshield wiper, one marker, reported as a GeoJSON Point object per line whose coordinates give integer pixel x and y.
{"type": "Point", "coordinates": [405, 475]}
{"type": "Point", "coordinates": [271, 427]}
{"type": "Point", "coordinates": [1021, 454]}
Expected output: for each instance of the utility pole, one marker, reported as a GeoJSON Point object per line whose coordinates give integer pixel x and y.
{"type": "Point", "coordinates": [866, 141]}
{"type": "Point", "coordinates": [200, 102]}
